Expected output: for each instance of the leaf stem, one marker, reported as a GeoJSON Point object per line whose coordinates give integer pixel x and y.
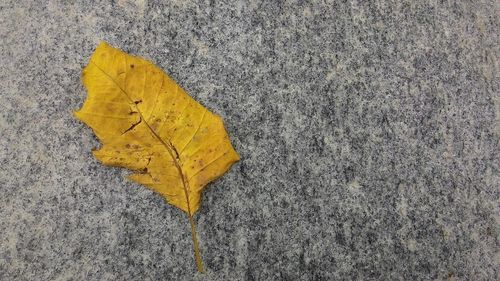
{"type": "Point", "coordinates": [197, 255]}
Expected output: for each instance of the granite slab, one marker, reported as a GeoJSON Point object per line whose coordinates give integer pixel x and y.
{"type": "Point", "coordinates": [368, 131]}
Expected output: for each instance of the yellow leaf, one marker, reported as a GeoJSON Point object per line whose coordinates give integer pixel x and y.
{"type": "Point", "coordinates": [148, 124]}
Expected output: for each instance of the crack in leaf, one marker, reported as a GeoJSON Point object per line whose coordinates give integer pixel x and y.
{"type": "Point", "coordinates": [133, 126]}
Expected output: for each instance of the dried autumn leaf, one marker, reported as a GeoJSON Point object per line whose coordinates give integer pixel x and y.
{"type": "Point", "coordinates": [148, 124]}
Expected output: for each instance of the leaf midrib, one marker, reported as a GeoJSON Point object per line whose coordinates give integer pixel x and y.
{"type": "Point", "coordinates": [169, 146]}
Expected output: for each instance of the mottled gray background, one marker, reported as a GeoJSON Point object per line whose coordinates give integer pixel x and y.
{"type": "Point", "coordinates": [369, 136]}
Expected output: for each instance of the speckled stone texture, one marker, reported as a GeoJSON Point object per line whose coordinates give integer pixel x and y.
{"type": "Point", "coordinates": [368, 130]}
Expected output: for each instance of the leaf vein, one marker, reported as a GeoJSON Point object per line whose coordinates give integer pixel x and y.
{"type": "Point", "coordinates": [206, 166]}
{"type": "Point", "coordinates": [195, 132]}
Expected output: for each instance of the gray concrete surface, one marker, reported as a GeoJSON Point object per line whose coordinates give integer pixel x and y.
{"type": "Point", "coordinates": [368, 130]}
